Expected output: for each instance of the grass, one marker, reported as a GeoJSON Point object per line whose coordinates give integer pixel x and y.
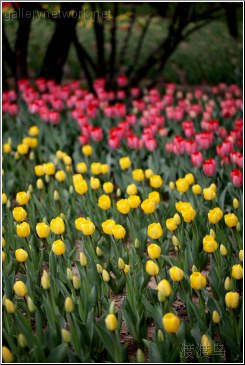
{"type": "Point", "coordinates": [209, 56]}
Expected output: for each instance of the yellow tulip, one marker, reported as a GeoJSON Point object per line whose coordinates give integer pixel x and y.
{"type": "Point", "coordinates": [125, 163]}
{"type": "Point", "coordinates": [198, 281]}
{"type": "Point", "coordinates": [123, 206]}
{"type": "Point", "coordinates": [104, 202]}
{"type": "Point", "coordinates": [23, 229]}
{"type": "Point", "coordinates": [156, 181]}
{"type": "Point", "coordinates": [131, 189]}
{"type": "Point", "coordinates": [57, 225]}
{"type": "Point", "coordinates": [58, 247]}
{"type": "Point", "coordinates": [81, 186]}
{"type": "Point", "coordinates": [22, 198]}
{"type": "Point", "coordinates": [33, 131]}
{"type": "Point", "coordinates": [42, 230]}
{"type": "Point", "coordinates": [69, 305]}
{"type": "Point", "coordinates": [148, 206]}
{"type": "Point", "coordinates": [231, 220]}
{"type": "Point", "coordinates": [171, 323]}
{"type": "Point", "coordinates": [138, 175]}
{"type": "Point", "coordinates": [108, 225]}
{"type": "Point", "coordinates": [96, 168]}
{"type": "Point", "coordinates": [154, 196]}
{"type": "Point", "coordinates": [49, 168]}
{"type": "Point", "coordinates": [232, 300]}
{"type": "Point", "coordinates": [20, 288]}
{"type": "Point", "coordinates": [154, 251]}
{"type": "Point", "coordinates": [164, 288]}
{"type": "Point", "coordinates": [19, 214]}
{"type": "Point", "coordinates": [7, 355]}
{"type": "Point", "coordinates": [197, 189]}
{"type": "Point", "coordinates": [87, 150]}
{"type": "Point", "coordinates": [237, 272]}
{"type": "Point", "coordinates": [176, 273]}
{"type": "Point", "coordinates": [118, 231]}
{"type": "Point", "coordinates": [45, 280]}
{"type": "Point", "coordinates": [151, 268]}
{"type": "Point", "coordinates": [207, 347]}
{"type": "Point", "coordinates": [81, 167]}
{"type": "Point", "coordinates": [154, 230]}
{"type": "Point", "coordinates": [108, 187]}
{"type": "Point", "coordinates": [60, 176]}
{"type": "Point", "coordinates": [21, 255]}
{"type": "Point", "coordinates": [215, 317]}
{"type": "Point", "coordinates": [134, 201]}
{"type": "Point", "coordinates": [190, 178]}
{"type": "Point", "coordinates": [209, 244]}
{"type": "Point", "coordinates": [182, 185]}
{"type": "Point", "coordinates": [94, 183]}
{"type": "Point", "coordinates": [9, 305]}
{"type": "Point", "coordinates": [171, 225]}
{"type": "Point", "coordinates": [111, 322]}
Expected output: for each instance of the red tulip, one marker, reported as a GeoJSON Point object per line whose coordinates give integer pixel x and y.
{"type": "Point", "coordinates": [197, 159]}
{"type": "Point", "coordinates": [209, 167]}
{"type": "Point", "coordinates": [236, 177]}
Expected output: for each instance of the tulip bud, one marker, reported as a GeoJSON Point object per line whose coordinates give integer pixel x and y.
{"type": "Point", "coordinates": [32, 156]}
{"type": "Point", "coordinates": [121, 264]}
{"type": "Point", "coordinates": [238, 227]}
{"type": "Point", "coordinates": [56, 195]}
{"type": "Point", "coordinates": [31, 306]}
{"type": "Point", "coordinates": [99, 268]}
{"type": "Point", "coordinates": [47, 178]}
{"type": "Point", "coordinates": [136, 243]}
{"type": "Point", "coordinates": [194, 268]}
{"type": "Point", "coordinates": [207, 347]}
{"type": "Point", "coordinates": [9, 305]}
{"type": "Point", "coordinates": [7, 355]}
{"type": "Point", "coordinates": [66, 336]}
{"type": "Point", "coordinates": [99, 252]}
{"type": "Point", "coordinates": [105, 275]}
{"type": "Point", "coordinates": [30, 188]}
{"type": "Point", "coordinates": [62, 216]}
{"type": "Point", "coordinates": [71, 190]}
{"type": "Point", "coordinates": [69, 274]}
{"type": "Point", "coordinates": [175, 241]}
{"type": "Point", "coordinates": [223, 250]}
{"type": "Point", "coordinates": [45, 280]}
{"type": "Point", "coordinates": [118, 192]}
{"type": "Point", "coordinates": [235, 203]}
{"type": "Point", "coordinates": [16, 156]}
{"type": "Point", "coordinates": [215, 317]}
{"type": "Point", "coordinates": [22, 342]}
{"type": "Point", "coordinates": [69, 306]}
{"type": "Point", "coordinates": [212, 233]}
{"type": "Point", "coordinates": [83, 259]}
{"type": "Point", "coordinates": [76, 282]}
{"type": "Point", "coordinates": [227, 283]}
{"type": "Point", "coordinates": [241, 255]}
{"type": "Point", "coordinates": [8, 204]}
{"type": "Point", "coordinates": [112, 307]}
{"type": "Point", "coordinates": [140, 356]}
{"type": "Point", "coordinates": [171, 185]}
{"type": "Point", "coordinates": [160, 335]}
{"type": "Point", "coordinates": [40, 184]}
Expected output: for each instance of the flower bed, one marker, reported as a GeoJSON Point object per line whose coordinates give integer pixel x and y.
{"type": "Point", "coordinates": [132, 194]}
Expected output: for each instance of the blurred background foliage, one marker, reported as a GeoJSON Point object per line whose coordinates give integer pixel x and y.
{"type": "Point", "coordinates": [82, 48]}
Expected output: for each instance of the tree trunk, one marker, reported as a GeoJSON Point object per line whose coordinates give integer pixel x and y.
{"type": "Point", "coordinates": [59, 45]}
{"type": "Point", "coordinates": [22, 40]}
